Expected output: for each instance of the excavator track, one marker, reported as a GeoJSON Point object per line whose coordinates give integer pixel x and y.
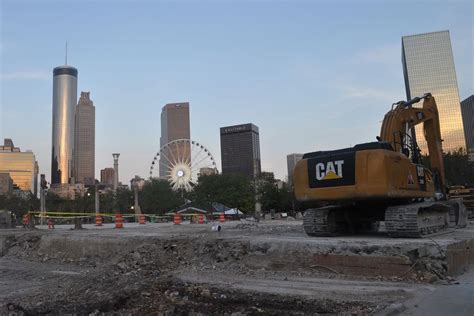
{"type": "Point", "coordinates": [323, 222]}
{"type": "Point", "coordinates": [408, 220]}
{"type": "Point", "coordinates": [417, 220]}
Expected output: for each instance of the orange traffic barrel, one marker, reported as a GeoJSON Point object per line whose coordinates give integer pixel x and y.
{"type": "Point", "coordinates": [119, 221]}
{"type": "Point", "coordinates": [222, 217]}
{"type": "Point", "coordinates": [201, 219]}
{"type": "Point", "coordinates": [142, 219]}
{"type": "Point", "coordinates": [98, 220]}
{"type": "Point", "coordinates": [177, 219]}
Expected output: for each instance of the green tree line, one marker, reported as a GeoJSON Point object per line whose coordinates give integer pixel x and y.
{"type": "Point", "coordinates": [233, 191]}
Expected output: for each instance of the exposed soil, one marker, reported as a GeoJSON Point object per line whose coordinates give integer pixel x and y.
{"type": "Point", "coordinates": [195, 271]}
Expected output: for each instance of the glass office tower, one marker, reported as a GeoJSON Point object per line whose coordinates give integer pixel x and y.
{"type": "Point", "coordinates": [64, 105]}
{"type": "Point", "coordinates": [428, 66]}
{"type": "Point", "coordinates": [21, 166]}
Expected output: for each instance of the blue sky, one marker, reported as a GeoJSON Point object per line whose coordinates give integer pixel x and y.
{"type": "Point", "coordinates": [313, 75]}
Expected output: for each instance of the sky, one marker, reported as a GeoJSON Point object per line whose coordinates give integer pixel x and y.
{"type": "Point", "coordinates": [312, 75]}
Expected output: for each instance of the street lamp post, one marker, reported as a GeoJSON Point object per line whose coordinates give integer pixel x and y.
{"type": "Point", "coordinates": [116, 157]}
{"type": "Point", "coordinates": [96, 199]}
{"type": "Point", "coordinates": [43, 187]}
{"type": "Point", "coordinates": [136, 206]}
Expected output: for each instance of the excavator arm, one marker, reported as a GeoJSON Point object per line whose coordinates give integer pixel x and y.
{"type": "Point", "coordinates": [403, 118]}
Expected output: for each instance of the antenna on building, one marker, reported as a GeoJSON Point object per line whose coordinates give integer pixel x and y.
{"type": "Point", "coordinates": [66, 55]}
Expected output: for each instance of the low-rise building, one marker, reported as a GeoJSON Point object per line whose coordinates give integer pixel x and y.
{"type": "Point", "coordinates": [22, 167]}
{"type": "Point", "coordinates": [6, 184]}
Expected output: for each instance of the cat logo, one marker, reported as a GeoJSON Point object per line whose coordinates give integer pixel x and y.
{"type": "Point", "coordinates": [329, 171]}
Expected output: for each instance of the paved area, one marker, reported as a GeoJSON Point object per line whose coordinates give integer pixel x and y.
{"type": "Point", "coordinates": [453, 299]}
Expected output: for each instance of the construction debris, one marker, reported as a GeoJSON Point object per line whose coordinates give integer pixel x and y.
{"type": "Point", "coordinates": [248, 268]}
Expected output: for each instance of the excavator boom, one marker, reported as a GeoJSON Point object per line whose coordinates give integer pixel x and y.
{"type": "Point", "coordinates": [403, 118]}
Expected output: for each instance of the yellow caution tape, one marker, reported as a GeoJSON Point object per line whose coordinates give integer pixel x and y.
{"type": "Point", "coordinates": [94, 214]}
{"type": "Point", "coordinates": [87, 215]}
{"type": "Point", "coordinates": [63, 217]}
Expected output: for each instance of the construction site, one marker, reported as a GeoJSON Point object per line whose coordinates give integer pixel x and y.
{"type": "Point", "coordinates": [234, 267]}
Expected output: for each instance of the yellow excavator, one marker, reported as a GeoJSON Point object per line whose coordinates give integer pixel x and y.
{"type": "Point", "coordinates": [354, 189]}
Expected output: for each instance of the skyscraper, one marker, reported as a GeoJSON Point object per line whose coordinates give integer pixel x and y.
{"type": "Point", "coordinates": [291, 161]}
{"type": "Point", "coordinates": [107, 176]}
{"type": "Point", "coordinates": [174, 125]}
{"type": "Point", "coordinates": [428, 66]}
{"type": "Point", "coordinates": [240, 150]}
{"type": "Point", "coordinates": [64, 104]}
{"type": "Point", "coordinates": [467, 109]}
{"type": "Point", "coordinates": [21, 166]}
{"type": "Point", "coordinates": [84, 143]}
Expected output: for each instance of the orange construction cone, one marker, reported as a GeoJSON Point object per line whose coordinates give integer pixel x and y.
{"type": "Point", "coordinates": [177, 219]}
{"type": "Point", "coordinates": [201, 219]}
{"type": "Point", "coordinates": [119, 221]}
{"type": "Point", "coordinates": [222, 217]}
{"type": "Point", "coordinates": [142, 219]}
{"type": "Point", "coordinates": [98, 220]}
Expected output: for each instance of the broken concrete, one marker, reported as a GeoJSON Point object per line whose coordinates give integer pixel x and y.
{"type": "Point", "coordinates": [248, 267]}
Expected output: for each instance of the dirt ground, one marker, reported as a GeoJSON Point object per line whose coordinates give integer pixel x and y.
{"type": "Point", "coordinates": [248, 268]}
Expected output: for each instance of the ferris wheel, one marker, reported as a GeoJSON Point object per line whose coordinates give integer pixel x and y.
{"type": "Point", "coordinates": [181, 162]}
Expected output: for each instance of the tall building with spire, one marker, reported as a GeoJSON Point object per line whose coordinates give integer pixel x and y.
{"type": "Point", "coordinates": [84, 142]}
{"type": "Point", "coordinates": [64, 104]}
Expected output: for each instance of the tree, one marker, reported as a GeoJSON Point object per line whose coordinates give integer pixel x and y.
{"type": "Point", "coordinates": [280, 199]}
{"type": "Point", "coordinates": [458, 169]}
{"type": "Point", "coordinates": [106, 202]}
{"type": "Point", "coordinates": [157, 197]}
{"type": "Point", "coordinates": [19, 205]}
{"type": "Point", "coordinates": [123, 200]}
{"type": "Point", "coordinates": [55, 203]}
{"type": "Point", "coordinates": [269, 196]}
{"type": "Point", "coordinates": [232, 190]}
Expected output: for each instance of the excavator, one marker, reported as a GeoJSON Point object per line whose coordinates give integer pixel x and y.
{"type": "Point", "coordinates": [356, 189]}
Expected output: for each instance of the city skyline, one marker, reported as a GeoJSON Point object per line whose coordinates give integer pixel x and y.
{"type": "Point", "coordinates": [304, 96]}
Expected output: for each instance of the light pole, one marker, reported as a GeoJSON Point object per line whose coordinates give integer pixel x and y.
{"type": "Point", "coordinates": [96, 199]}
{"type": "Point", "coordinates": [258, 205]}
{"type": "Point", "coordinates": [116, 157]}
{"type": "Point", "coordinates": [136, 206]}
{"type": "Point", "coordinates": [43, 187]}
